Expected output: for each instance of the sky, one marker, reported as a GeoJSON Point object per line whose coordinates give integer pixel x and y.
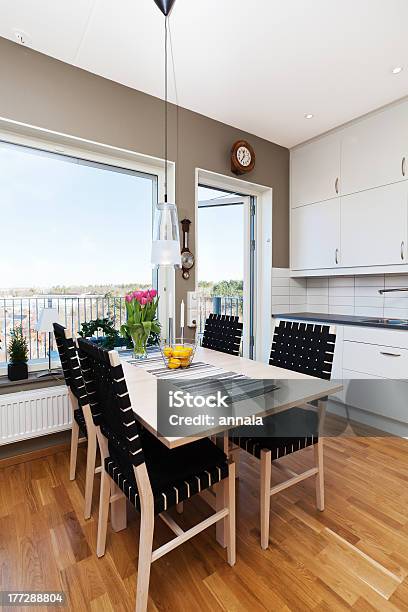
{"type": "Point", "coordinates": [68, 223]}
{"type": "Point", "coordinates": [220, 244]}
{"type": "Point", "coordinates": [64, 222]}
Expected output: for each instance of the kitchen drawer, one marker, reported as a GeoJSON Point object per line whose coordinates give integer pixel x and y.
{"type": "Point", "coordinates": [377, 335]}
{"type": "Point", "coordinates": [379, 360]}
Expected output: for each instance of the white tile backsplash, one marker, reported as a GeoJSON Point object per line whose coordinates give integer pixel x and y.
{"type": "Point", "coordinates": [288, 294]}
{"type": "Point", "coordinates": [351, 295]}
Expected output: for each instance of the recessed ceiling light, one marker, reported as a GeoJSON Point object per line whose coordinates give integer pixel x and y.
{"type": "Point", "coordinates": [397, 69]}
{"type": "Point", "coordinates": [309, 116]}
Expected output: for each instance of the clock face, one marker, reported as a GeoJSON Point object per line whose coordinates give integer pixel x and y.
{"type": "Point", "coordinates": [187, 260]}
{"type": "Point", "coordinates": [244, 156]}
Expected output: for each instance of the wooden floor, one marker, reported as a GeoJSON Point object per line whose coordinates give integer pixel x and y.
{"type": "Point", "coordinates": [353, 555]}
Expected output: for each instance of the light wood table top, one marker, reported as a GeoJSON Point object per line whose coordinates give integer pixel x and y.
{"type": "Point", "coordinates": [294, 389]}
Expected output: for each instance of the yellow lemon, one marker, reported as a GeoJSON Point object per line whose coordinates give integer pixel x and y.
{"type": "Point", "coordinates": [189, 350]}
{"type": "Point", "coordinates": [180, 353]}
{"type": "Point", "coordinates": [168, 351]}
{"type": "Point", "coordinates": [184, 363]}
{"type": "Point", "coordinates": [174, 364]}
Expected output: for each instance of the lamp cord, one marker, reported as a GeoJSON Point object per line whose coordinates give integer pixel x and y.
{"type": "Point", "coordinates": [165, 109]}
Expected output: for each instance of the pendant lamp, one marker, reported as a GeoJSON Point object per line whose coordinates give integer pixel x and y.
{"type": "Point", "coordinates": [166, 249]}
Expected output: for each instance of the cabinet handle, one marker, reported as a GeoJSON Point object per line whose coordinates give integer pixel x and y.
{"type": "Point", "coordinates": [403, 166]}
{"type": "Point", "coordinates": [402, 250]}
{"type": "Point", "coordinates": [390, 354]}
{"type": "Point", "coordinates": [336, 184]}
{"type": "Point", "coordinates": [336, 256]}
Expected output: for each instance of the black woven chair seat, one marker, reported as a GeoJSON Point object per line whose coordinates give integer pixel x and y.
{"type": "Point", "coordinates": [283, 434]}
{"type": "Point", "coordinates": [80, 419]}
{"type": "Point", "coordinates": [175, 475]}
{"type": "Point", "coordinates": [222, 333]}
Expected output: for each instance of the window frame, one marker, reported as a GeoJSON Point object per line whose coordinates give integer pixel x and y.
{"type": "Point", "coordinates": [89, 151]}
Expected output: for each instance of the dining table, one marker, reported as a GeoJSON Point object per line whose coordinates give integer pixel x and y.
{"type": "Point", "coordinates": [290, 389]}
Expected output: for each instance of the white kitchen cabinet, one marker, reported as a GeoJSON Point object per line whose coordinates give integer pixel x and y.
{"type": "Point", "coordinates": [374, 395]}
{"type": "Point", "coordinates": [374, 227]}
{"type": "Point", "coordinates": [374, 149]}
{"type": "Point", "coordinates": [315, 171]}
{"type": "Point", "coordinates": [315, 236]}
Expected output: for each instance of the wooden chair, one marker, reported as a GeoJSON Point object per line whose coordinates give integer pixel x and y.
{"type": "Point", "coordinates": [309, 349]}
{"type": "Point", "coordinates": [140, 467]}
{"type": "Point", "coordinates": [222, 333]}
{"type": "Point", "coordinates": [82, 422]}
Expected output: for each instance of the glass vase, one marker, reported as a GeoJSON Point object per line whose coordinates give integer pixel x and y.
{"type": "Point", "coordinates": [139, 339]}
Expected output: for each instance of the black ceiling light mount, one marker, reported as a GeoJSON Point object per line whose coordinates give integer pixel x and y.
{"type": "Point", "coordinates": [165, 6]}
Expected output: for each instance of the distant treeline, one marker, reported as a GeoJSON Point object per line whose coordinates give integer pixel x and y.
{"type": "Point", "coordinates": [207, 288]}
{"type": "Point", "coordinates": [224, 288]}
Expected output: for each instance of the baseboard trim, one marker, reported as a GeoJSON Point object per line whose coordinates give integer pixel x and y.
{"type": "Point", "coordinates": [33, 455]}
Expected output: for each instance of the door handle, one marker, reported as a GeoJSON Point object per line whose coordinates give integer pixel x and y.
{"type": "Point", "coordinates": [402, 250]}
{"type": "Point", "coordinates": [336, 256]}
{"type": "Point", "coordinates": [403, 166]}
{"type": "Point", "coordinates": [390, 354]}
{"type": "Point", "coordinates": [336, 184]}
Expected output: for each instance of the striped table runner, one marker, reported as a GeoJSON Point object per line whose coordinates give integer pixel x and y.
{"type": "Point", "coordinates": [154, 365]}
{"type": "Point", "coordinates": [206, 378]}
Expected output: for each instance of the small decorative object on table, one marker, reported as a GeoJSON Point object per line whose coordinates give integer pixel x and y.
{"type": "Point", "coordinates": [18, 352]}
{"type": "Point", "coordinates": [141, 311]}
{"type": "Point", "coordinates": [178, 354]}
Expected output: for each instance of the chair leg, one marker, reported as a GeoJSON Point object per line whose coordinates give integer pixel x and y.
{"type": "Point", "coordinates": [90, 471]}
{"type": "Point", "coordinates": [318, 453]}
{"type": "Point", "coordinates": [235, 455]}
{"type": "Point", "coordinates": [265, 501]}
{"type": "Point", "coordinates": [103, 513]}
{"type": "Point", "coordinates": [145, 558]}
{"type": "Point", "coordinates": [74, 450]}
{"type": "Point", "coordinates": [231, 535]}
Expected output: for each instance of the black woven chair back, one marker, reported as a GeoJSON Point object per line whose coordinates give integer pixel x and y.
{"type": "Point", "coordinates": [303, 347]}
{"type": "Point", "coordinates": [222, 333]}
{"type": "Point", "coordinates": [109, 400]}
{"type": "Point", "coordinates": [70, 363]}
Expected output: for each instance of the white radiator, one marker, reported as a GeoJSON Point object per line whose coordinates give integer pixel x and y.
{"type": "Point", "coordinates": [37, 412]}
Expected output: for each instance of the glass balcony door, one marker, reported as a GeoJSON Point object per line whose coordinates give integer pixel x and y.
{"type": "Point", "coordinates": [226, 258]}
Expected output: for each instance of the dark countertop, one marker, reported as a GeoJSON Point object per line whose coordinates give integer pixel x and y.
{"type": "Point", "coordinates": [361, 321]}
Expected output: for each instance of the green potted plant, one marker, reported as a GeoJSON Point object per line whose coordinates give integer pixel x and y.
{"type": "Point", "coordinates": [17, 368]}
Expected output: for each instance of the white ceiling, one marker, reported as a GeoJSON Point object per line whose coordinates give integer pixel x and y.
{"type": "Point", "coordinates": [259, 65]}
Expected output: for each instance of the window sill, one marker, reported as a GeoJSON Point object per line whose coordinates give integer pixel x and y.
{"type": "Point", "coordinates": [34, 381]}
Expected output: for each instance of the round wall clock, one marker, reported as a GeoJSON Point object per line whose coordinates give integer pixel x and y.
{"type": "Point", "coordinates": [242, 157]}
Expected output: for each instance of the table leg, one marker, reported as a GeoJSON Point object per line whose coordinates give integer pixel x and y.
{"type": "Point", "coordinates": [118, 509]}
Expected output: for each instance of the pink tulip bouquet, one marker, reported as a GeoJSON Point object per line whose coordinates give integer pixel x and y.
{"type": "Point", "coordinates": [141, 310]}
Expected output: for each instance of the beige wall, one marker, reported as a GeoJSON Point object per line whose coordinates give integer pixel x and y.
{"type": "Point", "coordinates": [44, 92]}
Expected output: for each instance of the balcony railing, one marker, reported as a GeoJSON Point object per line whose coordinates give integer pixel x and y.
{"type": "Point", "coordinates": [231, 305]}
{"type": "Point", "coordinates": [73, 310]}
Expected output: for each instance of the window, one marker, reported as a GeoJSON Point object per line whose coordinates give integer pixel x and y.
{"type": "Point", "coordinates": [75, 235]}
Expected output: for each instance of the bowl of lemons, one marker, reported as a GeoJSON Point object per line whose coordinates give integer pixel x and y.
{"type": "Point", "coordinates": [178, 354]}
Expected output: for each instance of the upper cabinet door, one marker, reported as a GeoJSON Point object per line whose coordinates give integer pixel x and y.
{"type": "Point", "coordinates": [315, 236]}
{"type": "Point", "coordinates": [374, 227]}
{"type": "Point", "coordinates": [315, 171]}
{"type": "Point", "coordinates": [374, 152]}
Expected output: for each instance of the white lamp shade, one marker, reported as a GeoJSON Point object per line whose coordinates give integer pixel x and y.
{"type": "Point", "coordinates": [166, 237]}
{"type": "Point", "coordinates": [166, 253]}
{"type": "Point", "coordinates": [48, 316]}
